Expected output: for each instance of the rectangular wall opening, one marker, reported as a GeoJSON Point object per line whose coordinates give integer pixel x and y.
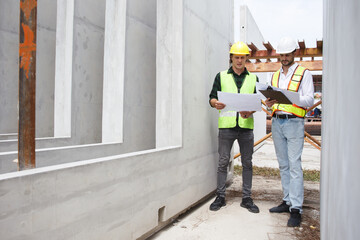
{"type": "Point", "coordinates": [161, 214]}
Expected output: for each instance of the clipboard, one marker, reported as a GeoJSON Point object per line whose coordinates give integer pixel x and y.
{"type": "Point", "coordinates": [275, 95]}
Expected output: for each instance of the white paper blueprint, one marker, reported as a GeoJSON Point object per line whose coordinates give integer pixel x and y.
{"type": "Point", "coordinates": [240, 102]}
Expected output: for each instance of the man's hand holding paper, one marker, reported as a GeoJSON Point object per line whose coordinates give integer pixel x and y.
{"type": "Point", "coordinates": [240, 102]}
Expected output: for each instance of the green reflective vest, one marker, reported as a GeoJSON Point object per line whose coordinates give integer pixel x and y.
{"type": "Point", "coordinates": [294, 85]}
{"type": "Point", "coordinates": [227, 119]}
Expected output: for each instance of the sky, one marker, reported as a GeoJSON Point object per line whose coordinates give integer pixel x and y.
{"type": "Point", "coordinates": [300, 19]}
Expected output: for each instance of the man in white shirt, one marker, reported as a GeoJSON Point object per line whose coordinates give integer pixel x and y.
{"type": "Point", "coordinates": [288, 128]}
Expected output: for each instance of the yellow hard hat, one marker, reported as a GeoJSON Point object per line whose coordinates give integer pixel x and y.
{"type": "Point", "coordinates": [239, 48]}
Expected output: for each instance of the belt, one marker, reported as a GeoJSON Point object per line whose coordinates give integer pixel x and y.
{"type": "Point", "coordinates": [284, 116]}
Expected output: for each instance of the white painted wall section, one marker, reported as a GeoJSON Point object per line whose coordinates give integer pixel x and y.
{"type": "Point", "coordinates": [169, 69]}
{"type": "Point", "coordinates": [114, 65]}
{"type": "Point", "coordinates": [63, 68]}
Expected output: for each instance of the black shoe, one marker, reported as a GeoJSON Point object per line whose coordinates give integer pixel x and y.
{"type": "Point", "coordinates": [295, 218]}
{"type": "Point", "coordinates": [283, 207]}
{"type": "Point", "coordinates": [218, 203]}
{"type": "Point", "coordinates": [249, 204]}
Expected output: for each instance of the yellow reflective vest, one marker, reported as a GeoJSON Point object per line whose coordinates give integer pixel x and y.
{"type": "Point", "coordinates": [294, 85]}
{"type": "Point", "coordinates": [227, 119]}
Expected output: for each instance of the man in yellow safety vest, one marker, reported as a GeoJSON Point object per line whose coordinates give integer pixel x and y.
{"type": "Point", "coordinates": [235, 125]}
{"type": "Point", "coordinates": [288, 128]}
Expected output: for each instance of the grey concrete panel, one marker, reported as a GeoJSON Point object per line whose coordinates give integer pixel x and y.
{"type": "Point", "coordinates": [340, 185]}
{"type": "Point", "coordinates": [118, 197]}
{"type": "Point", "coordinates": [143, 11]}
{"type": "Point", "coordinates": [207, 50]}
{"type": "Point", "coordinates": [45, 68]}
{"type": "Point", "coordinates": [8, 162]}
{"type": "Point", "coordinates": [9, 67]}
{"type": "Point", "coordinates": [100, 199]}
{"type": "Point", "coordinates": [140, 80]}
{"type": "Point", "coordinates": [213, 15]}
{"type": "Point", "coordinates": [8, 145]}
{"type": "Point", "coordinates": [8, 136]}
{"type": "Point", "coordinates": [91, 11]}
{"type": "Point", "coordinates": [59, 155]}
{"type": "Point", "coordinates": [9, 15]}
{"type": "Point", "coordinates": [88, 71]}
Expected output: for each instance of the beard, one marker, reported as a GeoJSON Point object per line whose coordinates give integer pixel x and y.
{"type": "Point", "coordinates": [287, 63]}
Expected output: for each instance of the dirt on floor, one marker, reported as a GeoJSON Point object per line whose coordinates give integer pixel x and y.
{"type": "Point", "coordinates": [269, 189]}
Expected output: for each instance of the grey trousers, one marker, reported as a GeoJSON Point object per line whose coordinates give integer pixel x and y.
{"type": "Point", "coordinates": [245, 138]}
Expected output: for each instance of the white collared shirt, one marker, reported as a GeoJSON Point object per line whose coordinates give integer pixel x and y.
{"type": "Point", "coordinates": [306, 89]}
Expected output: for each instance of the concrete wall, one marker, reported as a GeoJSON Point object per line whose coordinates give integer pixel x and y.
{"type": "Point", "coordinates": [45, 67]}
{"type": "Point", "coordinates": [340, 160]}
{"type": "Point", "coordinates": [246, 30]}
{"type": "Point", "coordinates": [9, 73]}
{"type": "Point", "coordinates": [81, 103]}
{"type": "Point", "coordinates": [127, 196]}
{"type": "Point", "coordinates": [87, 70]}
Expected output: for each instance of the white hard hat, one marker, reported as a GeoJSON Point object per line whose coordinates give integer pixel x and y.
{"type": "Point", "coordinates": [286, 45]}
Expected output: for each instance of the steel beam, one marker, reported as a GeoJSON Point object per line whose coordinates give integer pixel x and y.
{"type": "Point", "coordinates": [27, 84]}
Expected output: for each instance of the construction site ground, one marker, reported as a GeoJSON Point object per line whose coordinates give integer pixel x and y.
{"type": "Point", "coordinates": [233, 222]}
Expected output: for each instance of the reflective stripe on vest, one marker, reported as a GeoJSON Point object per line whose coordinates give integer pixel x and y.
{"type": "Point", "coordinates": [227, 119]}
{"type": "Point", "coordinates": [294, 85]}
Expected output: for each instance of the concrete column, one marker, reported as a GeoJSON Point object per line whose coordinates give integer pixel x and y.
{"type": "Point", "coordinates": [340, 154]}
{"type": "Point", "coordinates": [114, 65]}
{"type": "Point", "coordinates": [169, 67]}
{"type": "Point", "coordinates": [63, 68]}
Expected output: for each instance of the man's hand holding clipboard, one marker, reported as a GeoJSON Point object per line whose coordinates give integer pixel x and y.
{"type": "Point", "coordinates": [275, 96]}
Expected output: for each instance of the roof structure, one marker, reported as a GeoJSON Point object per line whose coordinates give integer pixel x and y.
{"type": "Point", "coordinates": [268, 60]}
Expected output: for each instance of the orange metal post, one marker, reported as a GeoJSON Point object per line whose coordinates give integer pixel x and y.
{"type": "Point", "coordinates": [27, 84]}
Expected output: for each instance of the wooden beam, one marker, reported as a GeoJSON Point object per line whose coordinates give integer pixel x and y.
{"type": "Point", "coordinates": [266, 54]}
{"type": "Point", "coordinates": [302, 44]}
{"type": "Point", "coordinates": [316, 146]}
{"type": "Point", "coordinates": [274, 66]}
{"type": "Point", "coordinates": [268, 47]}
{"type": "Point", "coordinates": [312, 138]}
{"type": "Point", "coordinates": [253, 47]}
{"type": "Point", "coordinates": [319, 44]}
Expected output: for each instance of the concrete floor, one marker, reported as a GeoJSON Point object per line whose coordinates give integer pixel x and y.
{"type": "Point", "coordinates": [234, 222]}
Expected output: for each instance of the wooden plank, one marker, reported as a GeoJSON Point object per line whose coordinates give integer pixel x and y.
{"type": "Point", "coordinates": [264, 54]}
{"type": "Point", "coordinates": [315, 65]}
{"type": "Point", "coordinates": [268, 46]}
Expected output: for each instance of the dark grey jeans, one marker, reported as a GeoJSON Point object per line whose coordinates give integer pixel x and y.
{"type": "Point", "coordinates": [245, 138]}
